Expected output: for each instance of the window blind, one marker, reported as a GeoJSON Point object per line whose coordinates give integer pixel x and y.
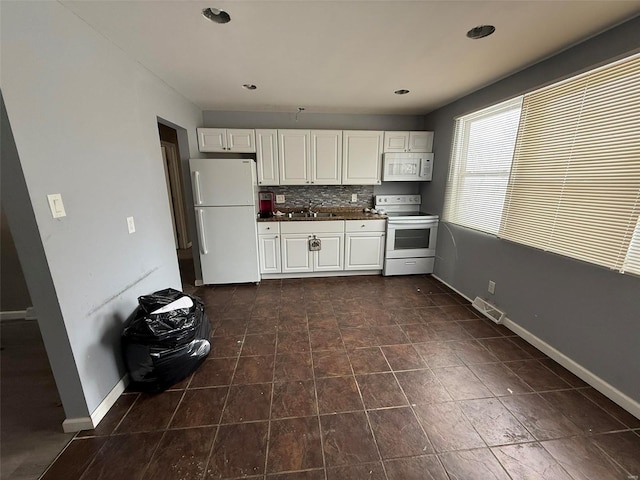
{"type": "Point", "coordinates": [481, 158]}
{"type": "Point", "coordinates": [574, 187]}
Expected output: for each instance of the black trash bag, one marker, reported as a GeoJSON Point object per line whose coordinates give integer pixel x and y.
{"type": "Point", "coordinates": [161, 349]}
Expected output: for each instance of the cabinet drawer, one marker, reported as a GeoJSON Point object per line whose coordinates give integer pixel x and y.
{"type": "Point", "coordinates": [268, 227]}
{"type": "Point", "coordinates": [314, 227]}
{"type": "Point", "coordinates": [355, 226]}
{"type": "Point", "coordinates": [408, 266]}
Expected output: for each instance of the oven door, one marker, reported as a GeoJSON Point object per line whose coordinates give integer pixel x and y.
{"type": "Point", "coordinates": [411, 238]}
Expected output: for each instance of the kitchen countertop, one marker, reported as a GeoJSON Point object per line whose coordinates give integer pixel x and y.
{"type": "Point", "coordinates": [342, 213]}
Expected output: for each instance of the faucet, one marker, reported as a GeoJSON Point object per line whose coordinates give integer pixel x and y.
{"type": "Point", "coordinates": [310, 207]}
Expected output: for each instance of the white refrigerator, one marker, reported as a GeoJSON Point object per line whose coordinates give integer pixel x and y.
{"type": "Point", "coordinates": [224, 197]}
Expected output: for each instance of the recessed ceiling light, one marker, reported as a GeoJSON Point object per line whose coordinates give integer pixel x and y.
{"type": "Point", "coordinates": [481, 31]}
{"type": "Point", "coordinates": [249, 86]}
{"type": "Point", "coordinates": [402, 91]}
{"type": "Point", "coordinates": [215, 15]}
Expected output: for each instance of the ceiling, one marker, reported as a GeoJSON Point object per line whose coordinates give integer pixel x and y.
{"type": "Point", "coordinates": [342, 56]}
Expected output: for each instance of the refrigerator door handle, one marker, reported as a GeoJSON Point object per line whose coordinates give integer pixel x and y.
{"type": "Point", "coordinates": [196, 182]}
{"type": "Point", "coordinates": [203, 239]}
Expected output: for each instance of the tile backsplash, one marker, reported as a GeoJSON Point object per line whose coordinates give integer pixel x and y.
{"type": "Point", "coordinates": [298, 196]}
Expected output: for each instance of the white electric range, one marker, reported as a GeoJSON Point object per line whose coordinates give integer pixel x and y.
{"type": "Point", "coordinates": [411, 235]}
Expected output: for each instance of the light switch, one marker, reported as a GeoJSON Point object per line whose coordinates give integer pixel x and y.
{"type": "Point", "coordinates": [279, 198]}
{"type": "Point", "coordinates": [56, 205]}
{"type": "Point", "coordinates": [131, 225]}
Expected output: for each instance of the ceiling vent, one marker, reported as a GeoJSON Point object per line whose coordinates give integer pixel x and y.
{"type": "Point", "coordinates": [481, 31]}
{"type": "Point", "coordinates": [216, 16]}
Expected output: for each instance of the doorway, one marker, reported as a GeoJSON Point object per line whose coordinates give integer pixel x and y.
{"type": "Point", "coordinates": [172, 162]}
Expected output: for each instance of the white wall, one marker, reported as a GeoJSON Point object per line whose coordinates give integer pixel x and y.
{"type": "Point", "coordinates": [84, 119]}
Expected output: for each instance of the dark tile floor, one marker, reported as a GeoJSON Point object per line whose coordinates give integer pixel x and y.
{"type": "Point", "coordinates": [360, 378]}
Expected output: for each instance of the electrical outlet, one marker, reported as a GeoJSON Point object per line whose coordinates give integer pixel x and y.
{"type": "Point", "coordinates": [354, 197]}
{"type": "Point", "coordinates": [492, 287]}
{"type": "Point", "coordinates": [279, 198]}
{"type": "Point", "coordinates": [131, 225]}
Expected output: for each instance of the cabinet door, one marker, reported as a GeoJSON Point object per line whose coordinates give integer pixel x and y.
{"type": "Point", "coordinates": [269, 252]}
{"type": "Point", "coordinates": [212, 139]}
{"type": "Point", "coordinates": [421, 142]}
{"type": "Point", "coordinates": [364, 251]}
{"type": "Point", "coordinates": [293, 156]}
{"type": "Point", "coordinates": [267, 157]}
{"type": "Point", "coordinates": [296, 256]}
{"type": "Point", "coordinates": [396, 142]}
{"type": "Point", "coordinates": [241, 140]}
{"type": "Point", "coordinates": [326, 157]}
{"type": "Point", "coordinates": [361, 157]}
{"type": "Point", "coordinates": [331, 256]}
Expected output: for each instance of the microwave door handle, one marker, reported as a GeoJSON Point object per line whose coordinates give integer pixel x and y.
{"type": "Point", "coordinates": [423, 167]}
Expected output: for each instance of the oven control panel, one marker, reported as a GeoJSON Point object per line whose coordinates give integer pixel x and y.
{"type": "Point", "coordinates": [398, 199]}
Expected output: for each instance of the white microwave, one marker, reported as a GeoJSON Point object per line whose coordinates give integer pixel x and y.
{"type": "Point", "coordinates": [407, 167]}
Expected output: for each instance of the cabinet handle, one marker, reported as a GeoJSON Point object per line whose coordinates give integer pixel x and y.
{"type": "Point", "coordinates": [276, 236]}
{"type": "Point", "coordinates": [382, 235]}
{"type": "Point", "coordinates": [203, 238]}
{"type": "Point", "coordinates": [362, 226]}
{"type": "Point", "coordinates": [196, 181]}
{"type": "Point", "coordinates": [268, 228]}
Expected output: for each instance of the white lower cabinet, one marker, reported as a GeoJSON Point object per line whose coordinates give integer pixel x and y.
{"type": "Point", "coordinates": [364, 244]}
{"type": "Point", "coordinates": [330, 257]}
{"type": "Point", "coordinates": [294, 245]}
{"type": "Point", "coordinates": [296, 256]}
{"type": "Point", "coordinates": [351, 245]}
{"type": "Point", "coordinates": [269, 247]}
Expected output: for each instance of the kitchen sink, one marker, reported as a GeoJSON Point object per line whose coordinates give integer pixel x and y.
{"type": "Point", "coordinates": [311, 215]}
{"type": "Point", "coordinates": [322, 214]}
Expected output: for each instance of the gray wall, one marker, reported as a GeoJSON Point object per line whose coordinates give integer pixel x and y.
{"type": "Point", "coordinates": [588, 313]}
{"type": "Point", "coordinates": [14, 295]}
{"type": "Point", "coordinates": [329, 121]}
{"type": "Point", "coordinates": [84, 119]}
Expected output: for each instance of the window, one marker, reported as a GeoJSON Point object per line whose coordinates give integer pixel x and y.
{"type": "Point", "coordinates": [481, 160]}
{"type": "Point", "coordinates": [574, 181]}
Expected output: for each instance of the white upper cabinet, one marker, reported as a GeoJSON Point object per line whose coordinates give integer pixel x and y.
{"type": "Point", "coordinates": [238, 140]}
{"type": "Point", "coordinates": [310, 157]}
{"type": "Point", "coordinates": [396, 142]}
{"type": "Point", "coordinates": [417, 142]}
{"type": "Point", "coordinates": [420, 142]}
{"type": "Point", "coordinates": [326, 157]}
{"type": "Point", "coordinates": [293, 156]}
{"type": "Point", "coordinates": [361, 157]}
{"type": "Point", "coordinates": [241, 140]}
{"type": "Point", "coordinates": [267, 157]}
{"type": "Point", "coordinates": [212, 139]}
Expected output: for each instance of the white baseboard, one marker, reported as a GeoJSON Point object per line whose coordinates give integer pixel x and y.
{"type": "Point", "coordinates": [629, 404]}
{"type": "Point", "coordinates": [608, 390]}
{"type": "Point", "coordinates": [71, 425]}
{"type": "Point", "coordinates": [88, 423]}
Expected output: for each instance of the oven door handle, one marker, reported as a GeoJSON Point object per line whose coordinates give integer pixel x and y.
{"type": "Point", "coordinates": [413, 223]}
